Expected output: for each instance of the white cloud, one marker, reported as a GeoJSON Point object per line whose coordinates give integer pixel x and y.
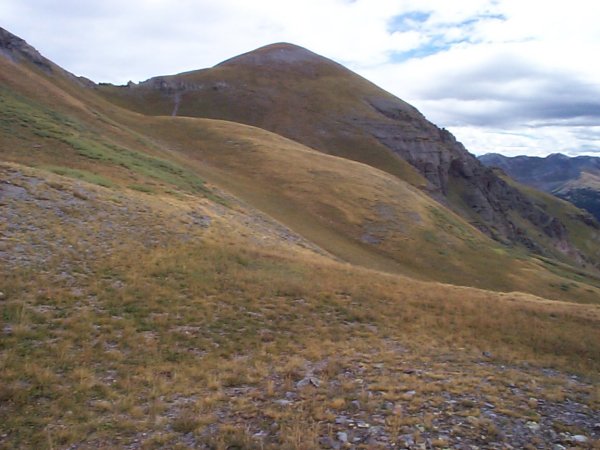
{"type": "Point", "coordinates": [503, 75]}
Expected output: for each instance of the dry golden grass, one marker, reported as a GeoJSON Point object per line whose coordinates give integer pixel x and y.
{"type": "Point", "coordinates": [201, 332]}
{"type": "Point", "coordinates": [361, 215]}
{"type": "Point", "coordinates": [326, 107]}
{"type": "Point", "coordinates": [290, 102]}
{"type": "Point", "coordinates": [151, 308]}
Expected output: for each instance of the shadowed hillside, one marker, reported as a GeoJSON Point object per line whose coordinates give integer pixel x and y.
{"type": "Point", "coordinates": [576, 180]}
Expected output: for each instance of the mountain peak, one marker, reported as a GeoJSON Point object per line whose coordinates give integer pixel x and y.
{"type": "Point", "coordinates": [15, 48]}
{"type": "Point", "coordinates": [558, 157]}
{"type": "Point", "coordinates": [278, 54]}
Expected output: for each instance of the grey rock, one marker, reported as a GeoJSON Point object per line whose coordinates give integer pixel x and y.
{"type": "Point", "coordinates": [368, 238]}
{"type": "Point", "coordinates": [327, 442]}
{"type": "Point", "coordinates": [342, 436]}
{"type": "Point", "coordinates": [579, 439]}
{"type": "Point", "coordinates": [373, 431]}
{"type": "Point", "coordinates": [407, 440]}
{"type": "Point", "coordinates": [341, 420]}
{"type": "Point", "coordinates": [309, 381]}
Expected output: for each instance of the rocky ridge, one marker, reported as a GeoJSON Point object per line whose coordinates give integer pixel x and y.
{"type": "Point", "coordinates": [18, 49]}
{"type": "Point", "coordinates": [443, 161]}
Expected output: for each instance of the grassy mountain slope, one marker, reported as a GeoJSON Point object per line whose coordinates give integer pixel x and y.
{"type": "Point", "coordinates": [355, 212]}
{"type": "Point", "coordinates": [135, 319]}
{"type": "Point", "coordinates": [294, 100]}
{"type": "Point", "coordinates": [312, 100]}
{"type": "Point", "coordinates": [584, 192]}
{"type": "Point", "coordinates": [172, 282]}
{"type": "Point", "coordinates": [573, 217]}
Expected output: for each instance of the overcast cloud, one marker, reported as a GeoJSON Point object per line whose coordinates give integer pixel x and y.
{"type": "Point", "coordinates": [506, 76]}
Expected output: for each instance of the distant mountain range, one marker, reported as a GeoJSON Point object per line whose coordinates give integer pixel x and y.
{"type": "Point", "coordinates": [574, 179]}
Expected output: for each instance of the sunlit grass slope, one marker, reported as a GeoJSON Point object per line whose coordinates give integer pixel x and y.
{"type": "Point", "coordinates": [129, 317]}
{"type": "Point", "coordinates": [314, 101]}
{"type": "Point", "coordinates": [173, 282]}
{"type": "Point", "coordinates": [358, 213]}
{"type": "Point", "coordinates": [355, 212]}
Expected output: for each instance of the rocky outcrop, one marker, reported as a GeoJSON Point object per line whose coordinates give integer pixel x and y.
{"type": "Point", "coordinates": [16, 49]}
{"type": "Point", "coordinates": [445, 162]}
{"type": "Point", "coordinates": [19, 51]}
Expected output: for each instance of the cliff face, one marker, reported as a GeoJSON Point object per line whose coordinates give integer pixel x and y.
{"type": "Point", "coordinates": [310, 99]}
{"type": "Point", "coordinates": [445, 163]}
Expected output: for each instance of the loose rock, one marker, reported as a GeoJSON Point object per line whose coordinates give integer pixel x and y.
{"type": "Point", "coordinates": [342, 437]}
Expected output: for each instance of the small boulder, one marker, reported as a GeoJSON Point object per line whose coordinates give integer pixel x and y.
{"type": "Point", "coordinates": [309, 381]}
{"type": "Point", "coordinates": [579, 439]}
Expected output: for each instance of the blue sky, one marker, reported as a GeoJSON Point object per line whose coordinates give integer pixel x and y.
{"type": "Point", "coordinates": [507, 76]}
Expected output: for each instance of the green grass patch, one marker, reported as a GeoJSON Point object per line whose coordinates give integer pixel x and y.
{"type": "Point", "coordinates": [452, 225]}
{"type": "Point", "coordinates": [18, 114]}
{"type": "Point", "coordinates": [22, 117]}
{"type": "Point", "coordinates": [141, 188]}
{"type": "Point", "coordinates": [137, 162]}
{"type": "Point", "coordinates": [79, 174]}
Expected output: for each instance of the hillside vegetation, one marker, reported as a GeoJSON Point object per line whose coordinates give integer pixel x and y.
{"type": "Point", "coordinates": [184, 282]}
{"type": "Point", "coordinates": [355, 212]}
{"type": "Point", "coordinates": [130, 318]}
{"type": "Point", "coordinates": [314, 101]}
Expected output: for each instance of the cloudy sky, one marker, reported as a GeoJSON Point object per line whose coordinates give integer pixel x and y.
{"type": "Point", "coordinates": [506, 76]}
